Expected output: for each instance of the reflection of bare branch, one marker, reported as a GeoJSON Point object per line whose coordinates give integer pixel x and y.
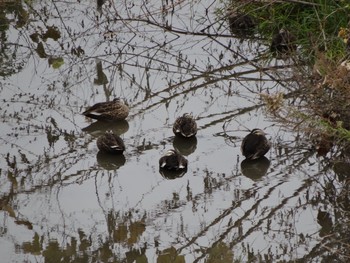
{"type": "Point", "coordinates": [244, 217]}
{"type": "Point", "coordinates": [162, 56]}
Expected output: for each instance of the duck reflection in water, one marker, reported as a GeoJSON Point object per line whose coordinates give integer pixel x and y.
{"type": "Point", "coordinates": [98, 128]}
{"type": "Point", "coordinates": [172, 165]}
{"type": "Point", "coordinates": [185, 146]}
{"type": "Point", "coordinates": [110, 161]}
{"type": "Point", "coordinates": [255, 169]}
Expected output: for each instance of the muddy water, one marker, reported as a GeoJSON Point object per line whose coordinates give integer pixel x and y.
{"type": "Point", "coordinates": [62, 199]}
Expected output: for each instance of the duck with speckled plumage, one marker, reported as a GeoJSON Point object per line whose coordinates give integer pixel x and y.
{"type": "Point", "coordinates": [115, 110]}
{"type": "Point", "coordinates": [185, 126]}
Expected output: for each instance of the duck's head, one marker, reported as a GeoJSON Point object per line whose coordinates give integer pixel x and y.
{"type": "Point", "coordinates": [258, 132]}
{"type": "Point", "coordinates": [170, 152]}
{"type": "Point", "coordinates": [187, 115]}
{"type": "Point", "coordinates": [117, 100]}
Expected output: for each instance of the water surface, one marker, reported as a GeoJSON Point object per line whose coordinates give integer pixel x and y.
{"type": "Point", "coordinates": [62, 199]}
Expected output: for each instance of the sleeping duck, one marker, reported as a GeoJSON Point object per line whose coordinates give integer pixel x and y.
{"type": "Point", "coordinates": [185, 126]}
{"type": "Point", "coordinates": [255, 144]}
{"type": "Point", "coordinates": [173, 160]}
{"type": "Point", "coordinates": [110, 143]}
{"type": "Point", "coordinates": [108, 111]}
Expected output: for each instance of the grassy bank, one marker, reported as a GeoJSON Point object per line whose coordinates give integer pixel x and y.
{"type": "Point", "coordinates": [318, 25]}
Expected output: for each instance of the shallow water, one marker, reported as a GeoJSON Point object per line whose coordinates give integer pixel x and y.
{"type": "Point", "coordinates": [62, 199]}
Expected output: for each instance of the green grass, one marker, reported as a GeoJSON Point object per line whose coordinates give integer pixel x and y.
{"type": "Point", "coordinates": [315, 23]}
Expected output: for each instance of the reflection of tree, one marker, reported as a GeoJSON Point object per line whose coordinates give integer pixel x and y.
{"type": "Point", "coordinates": [340, 241]}
{"type": "Point", "coordinates": [170, 255]}
{"type": "Point", "coordinates": [220, 253]}
{"type": "Point", "coordinates": [80, 250]}
{"type": "Point", "coordinates": [333, 217]}
{"type": "Point", "coordinates": [9, 63]}
{"type": "Point", "coordinates": [124, 231]}
{"type": "Point", "coordinates": [148, 53]}
{"type": "Point", "coordinates": [75, 250]}
{"type": "Point", "coordinates": [127, 231]}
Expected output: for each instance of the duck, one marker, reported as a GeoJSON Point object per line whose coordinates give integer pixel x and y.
{"type": "Point", "coordinates": [255, 145]}
{"type": "Point", "coordinates": [172, 160]}
{"type": "Point", "coordinates": [185, 126]}
{"type": "Point", "coordinates": [110, 143]}
{"type": "Point", "coordinates": [110, 162]}
{"type": "Point", "coordinates": [283, 42]}
{"type": "Point", "coordinates": [240, 23]}
{"type": "Point", "coordinates": [99, 128]}
{"type": "Point", "coordinates": [185, 146]}
{"type": "Point", "coordinates": [115, 110]}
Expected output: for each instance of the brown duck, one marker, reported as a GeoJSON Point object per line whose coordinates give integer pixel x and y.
{"type": "Point", "coordinates": [255, 144]}
{"type": "Point", "coordinates": [283, 42]}
{"type": "Point", "coordinates": [241, 23]}
{"type": "Point", "coordinates": [185, 126]}
{"type": "Point", "coordinates": [172, 160]}
{"type": "Point", "coordinates": [110, 143]}
{"type": "Point", "coordinates": [108, 111]}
